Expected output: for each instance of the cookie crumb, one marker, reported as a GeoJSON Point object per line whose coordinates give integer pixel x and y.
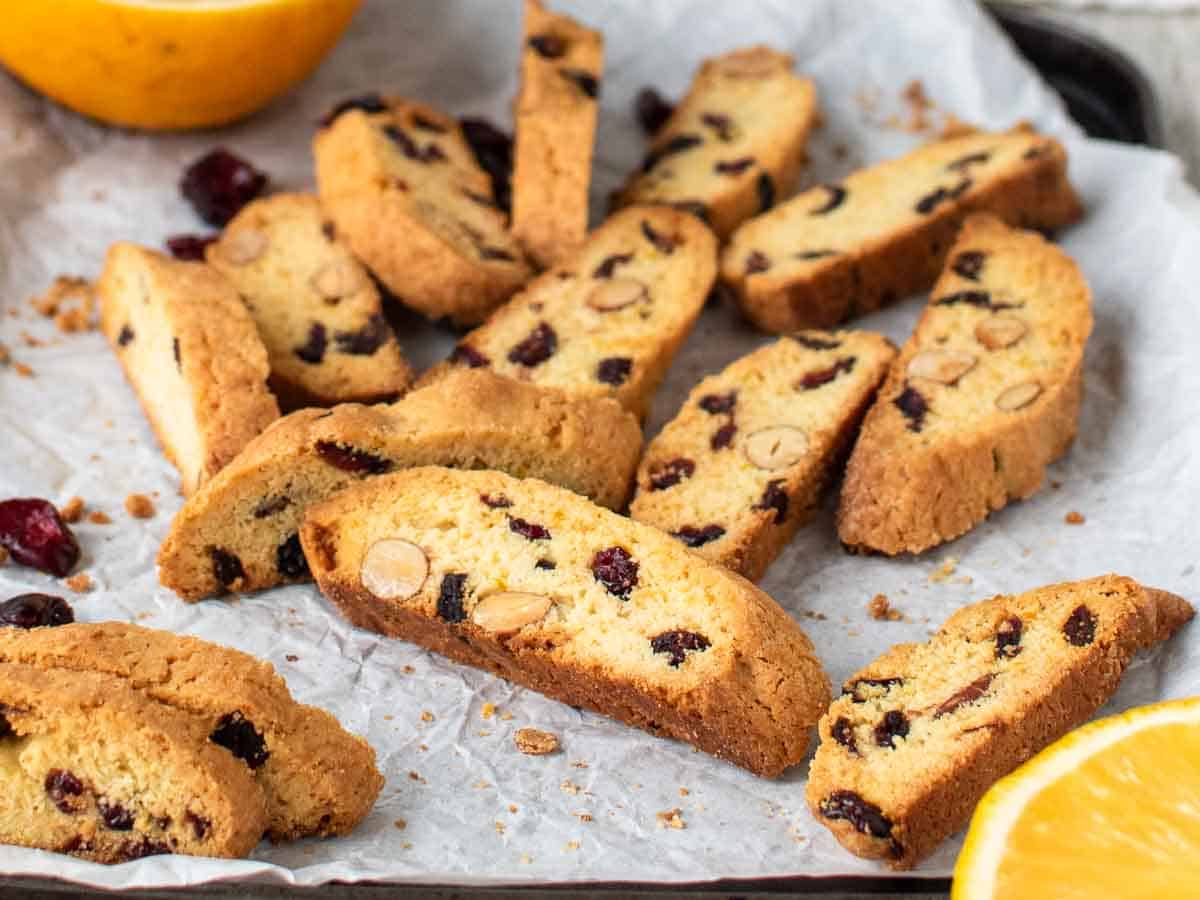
{"type": "Point", "coordinates": [579, 764]}
{"type": "Point", "coordinates": [408, 670]}
{"type": "Point", "coordinates": [481, 785]}
{"type": "Point", "coordinates": [671, 818]}
{"type": "Point", "coordinates": [506, 716]}
{"type": "Point", "coordinates": [96, 517]}
{"type": "Point", "coordinates": [881, 610]}
{"type": "Point", "coordinates": [400, 824]}
{"type": "Point", "coordinates": [1055, 485]}
{"type": "Point", "coordinates": [139, 506]}
{"type": "Point", "coordinates": [407, 845]}
{"type": "Point", "coordinates": [512, 807]}
{"type": "Point", "coordinates": [5, 356]}
{"type": "Point", "coordinates": [584, 817]}
{"type": "Point", "coordinates": [683, 792]}
{"type": "Point", "coordinates": [291, 657]}
{"type": "Point", "coordinates": [572, 845]}
{"type": "Point", "coordinates": [426, 716]}
{"type": "Point", "coordinates": [1074, 518]}
{"type": "Point", "coordinates": [71, 511]}
{"type": "Point", "coordinates": [416, 776]}
{"type": "Point", "coordinates": [945, 570]}
{"type": "Point", "coordinates": [499, 826]}
{"type": "Point", "coordinates": [533, 742]}
{"type": "Point", "coordinates": [81, 583]}
{"type": "Point", "coordinates": [68, 289]}
{"type": "Point", "coordinates": [23, 370]}
{"type": "Point", "coordinates": [489, 709]}
{"type": "Point", "coordinates": [526, 859]}
{"type": "Point", "coordinates": [387, 717]}
{"type": "Point", "coordinates": [569, 787]}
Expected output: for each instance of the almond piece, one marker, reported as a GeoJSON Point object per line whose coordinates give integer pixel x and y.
{"type": "Point", "coordinates": [999, 332]}
{"type": "Point", "coordinates": [507, 612]}
{"type": "Point", "coordinates": [243, 246]}
{"type": "Point", "coordinates": [336, 279]}
{"type": "Point", "coordinates": [616, 293]}
{"type": "Point", "coordinates": [394, 569]}
{"type": "Point", "coordinates": [776, 447]}
{"type": "Point", "coordinates": [942, 366]}
{"type": "Point", "coordinates": [1018, 396]}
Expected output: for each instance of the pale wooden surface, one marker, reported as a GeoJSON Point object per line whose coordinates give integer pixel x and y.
{"type": "Point", "coordinates": [1165, 45]}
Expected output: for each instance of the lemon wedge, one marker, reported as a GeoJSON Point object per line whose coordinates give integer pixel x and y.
{"type": "Point", "coordinates": [167, 64]}
{"type": "Point", "coordinates": [1112, 810]}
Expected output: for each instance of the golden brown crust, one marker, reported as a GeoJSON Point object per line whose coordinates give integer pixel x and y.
{"type": "Point", "coordinates": [917, 479]}
{"type": "Point", "coordinates": [1000, 680]}
{"type": "Point", "coordinates": [884, 232]}
{"type": "Point", "coordinates": [744, 686]}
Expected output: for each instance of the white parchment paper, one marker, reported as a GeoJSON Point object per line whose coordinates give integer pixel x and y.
{"type": "Point", "coordinates": [477, 811]}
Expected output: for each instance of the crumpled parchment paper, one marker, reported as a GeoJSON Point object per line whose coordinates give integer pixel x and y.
{"type": "Point", "coordinates": [474, 810]}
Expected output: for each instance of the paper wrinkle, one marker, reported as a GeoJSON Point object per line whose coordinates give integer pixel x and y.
{"type": "Point", "coordinates": [71, 188]}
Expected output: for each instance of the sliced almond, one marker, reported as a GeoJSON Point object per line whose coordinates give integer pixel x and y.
{"type": "Point", "coordinates": [1018, 395]}
{"type": "Point", "coordinates": [942, 366]}
{"type": "Point", "coordinates": [776, 447]}
{"type": "Point", "coordinates": [510, 611]}
{"type": "Point", "coordinates": [999, 332]}
{"type": "Point", "coordinates": [336, 279]}
{"type": "Point", "coordinates": [616, 293]}
{"type": "Point", "coordinates": [244, 246]}
{"type": "Point", "coordinates": [394, 569]}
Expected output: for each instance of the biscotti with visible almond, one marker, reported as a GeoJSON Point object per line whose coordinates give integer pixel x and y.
{"type": "Point", "coordinates": [316, 778]}
{"type": "Point", "coordinates": [609, 320]}
{"type": "Point", "coordinates": [841, 250]}
{"type": "Point", "coordinates": [734, 145]}
{"type": "Point", "coordinates": [741, 467]}
{"type": "Point", "coordinates": [192, 354]}
{"type": "Point", "coordinates": [982, 397]}
{"type": "Point", "coordinates": [920, 734]}
{"type": "Point", "coordinates": [91, 767]}
{"type": "Point", "coordinates": [317, 311]}
{"type": "Point", "coordinates": [555, 112]}
{"type": "Point", "coordinates": [540, 586]}
{"type": "Point", "coordinates": [405, 194]}
{"type": "Point", "coordinates": [240, 532]}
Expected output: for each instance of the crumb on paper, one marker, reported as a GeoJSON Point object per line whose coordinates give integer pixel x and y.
{"type": "Point", "coordinates": [144, 615]}
{"type": "Point", "coordinates": [96, 517]}
{"type": "Point", "coordinates": [483, 732]}
{"type": "Point", "coordinates": [406, 845]}
{"type": "Point", "coordinates": [683, 792]}
{"type": "Point", "coordinates": [426, 716]}
{"type": "Point", "coordinates": [945, 570]}
{"type": "Point", "coordinates": [526, 859]}
{"type": "Point", "coordinates": [964, 579]}
{"type": "Point", "coordinates": [815, 616]}
{"type": "Point", "coordinates": [72, 511]}
{"type": "Point", "coordinates": [533, 742]}
{"type": "Point", "coordinates": [499, 826]}
{"type": "Point", "coordinates": [512, 807]}
{"type": "Point", "coordinates": [881, 610]}
{"type": "Point", "coordinates": [70, 301]}
{"type": "Point", "coordinates": [291, 657]}
{"type": "Point", "coordinates": [387, 717]}
{"type": "Point", "coordinates": [506, 716]}
{"type": "Point", "coordinates": [489, 710]}
{"type": "Point", "coordinates": [400, 824]}
{"type": "Point", "coordinates": [671, 818]}
{"type": "Point", "coordinates": [1074, 518]}
{"type": "Point", "coordinates": [30, 341]}
{"type": "Point", "coordinates": [423, 747]}
{"type": "Point", "coordinates": [841, 152]}
{"type": "Point", "coordinates": [416, 776]}
{"type": "Point", "coordinates": [23, 370]}
{"type": "Point", "coordinates": [572, 845]}
{"type": "Point", "coordinates": [5, 356]}
{"type": "Point", "coordinates": [579, 764]}
{"type": "Point", "coordinates": [481, 785]}
{"type": "Point", "coordinates": [408, 670]}
{"type": "Point", "coordinates": [583, 817]}
{"type": "Point", "coordinates": [139, 506]}
{"type": "Point", "coordinates": [569, 787]}
{"type": "Point", "coordinates": [1055, 485]}
{"type": "Point", "coordinates": [81, 583]}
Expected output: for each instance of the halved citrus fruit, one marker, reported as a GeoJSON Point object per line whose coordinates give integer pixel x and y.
{"type": "Point", "coordinates": [1112, 810]}
{"type": "Point", "coordinates": [163, 64]}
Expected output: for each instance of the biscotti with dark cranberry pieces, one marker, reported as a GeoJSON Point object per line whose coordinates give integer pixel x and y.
{"type": "Point", "coordinates": [561, 66]}
{"type": "Point", "coordinates": [609, 320]}
{"type": "Point", "coordinates": [741, 467]}
{"type": "Point", "coordinates": [406, 195]}
{"type": "Point", "coordinates": [540, 586]}
{"type": "Point", "coordinates": [983, 396]}
{"type": "Point", "coordinates": [317, 311]}
{"type": "Point", "coordinates": [841, 250]}
{"type": "Point", "coordinates": [920, 734]}
{"type": "Point", "coordinates": [99, 770]}
{"type": "Point", "coordinates": [734, 145]}
{"type": "Point", "coordinates": [316, 778]}
{"type": "Point", "coordinates": [192, 354]}
{"type": "Point", "coordinates": [240, 532]}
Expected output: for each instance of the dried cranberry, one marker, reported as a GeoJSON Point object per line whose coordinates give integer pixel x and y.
{"type": "Point", "coordinates": [289, 559]}
{"type": "Point", "coordinates": [219, 184]}
{"type": "Point", "coordinates": [368, 103]}
{"type": "Point", "coordinates": [843, 732]}
{"type": "Point", "coordinates": [1036, 151]}
{"type": "Point", "coordinates": [410, 148]}
{"type": "Point", "coordinates": [720, 123]}
{"type": "Point", "coordinates": [189, 247]}
{"type": "Point", "coordinates": [718, 403]}
{"type": "Point", "coordinates": [678, 644]}
{"type": "Point", "coordinates": [913, 407]}
{"type": "Point", "coordinates": [114, 815]}
{"type": "Point", "coordinates": [854, 688]}
{"type": "Point", "coordinates": [723, 436]}
{"type": "Point", "coordinates": [814, 343]}
{"type": "Point", "coordinates": [776, 498]}
{"type": "Point", "coordinates": [200, 825]}
{"type": "Point", "coordinates": [652, 110]}
{"type": "Point", "coordinates": [36, 611]}
{"type": "Point", "coordinates": [551, 46]}
{"type": "Point", "coordinates": [614, 370]}
{"type": "Point", "coordinates": [757, 262]}
{"type": "Point", "coordinates": [141, 849]}
{"type": "Point", "coordinates": [271, 505]}
{"type": "Point", "coordinates": [662, 243]}
{"type": "Point", "coordinates": [125, 337]}
{"type": "Point", "coordinates": [535, 349]}
{"type": "Point", "coordinates": [313, 350]}
{"type": "Point", "coordinates": [529, 530]}
{"type": "Point", "coordinates": [450, 597]}
{"type": "Point", "coordinates": [35, 535]}
{"type": "Point", "coordinates": [547, 564]}
{"type": "Point", "coordinates": [980, 299]}
{"type": "Point", "coordinates": [1008, 638]}
{"type": "Point", "coordinates": [238, 735]}
{"type": "Point", "coordinates": [175, 353]}
{"type": "Point", "coordinates": [606, 268]}
{"type": "Point", "coordinates": [865, 817]}
{"type": "Point", "coordinates": [495, 253]}
{"type": "Point", "coordinates": [837, 196]}
{"type": "Point", "coordinates": [6, 728]}
{"type": "Point", "coordinates": [969, 694]}
{"type": "Point", "coordinates": [893, 725]}
{"type": "Point", "coordinates": [366, 340]}
{"type": "Point", "coordinates": [766, 192]}
{"type": "Point", "coordinates": [61, 786]}
{"type": "Point", "coordinates": [969, 264]}
{"type": "Point", "coordinates": [585, 81]}
{"type": "Point", "coordinates": [681, 143]}
{"type": "Point", "coordinates": [936, 198]}
{"type": "Point", "coordinates": [424, 123]}
{"type": "Point", "coordinates": [698, 537]}
{"type": "Point", "coordinates": [1080, 627]}
{"type": "Point", "coordinates": [815, 254]}
{"type": "Point", "coordinates": [971, 159]}
{"type": "Point", "coordinates": [467, 355]}
{"type": "Point", "coordinates": [819, 377]}
{"type": "Point", "coordinates": [350, 460]}
{"type": "Point", "coordinates": [616, 570]}
{"type": "Point", "coordinates": [670, 473]}
{"type": "Point", "coordinates": [733, 166]}
{"type": "Point", "coordinates": [499, 501]}
{"type": "Point", "coordinates": [692, 208]}
{"type": "Point", "coordinates": [493, 151]}
{"type": "Point", "coordinates": [227, 568]}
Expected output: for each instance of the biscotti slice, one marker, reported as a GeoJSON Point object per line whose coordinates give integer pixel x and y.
{"type": "Point", "coordinates": [608, 321]}
{"type": "Point", "coordinates": [983, 396]}
{"type": "Point", "coordinates": [192, 354]}
{"type": "Point", "coordinates": [240, 531]}
{"type": "Point", "coordinates": [317, 311]}
{"type": "Point", "coordinates": [841, 250]}
{"type": "Point", "coordinates": [541, 587]}
{"type": "Point", "coordinates": [91, 767]}
{"type": "Point", "coordinates": [734, 144]}
{"type": "Point", "coordinates": [737, 472]}
{"type": "Point", "coordinates": [406, 195]}
{"type": "Point", "coordinates": [555, 112]}
{"type": "Point", "coordinates": [920, 734]}
{"type": "Point", "coordinates": [317, 779]}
